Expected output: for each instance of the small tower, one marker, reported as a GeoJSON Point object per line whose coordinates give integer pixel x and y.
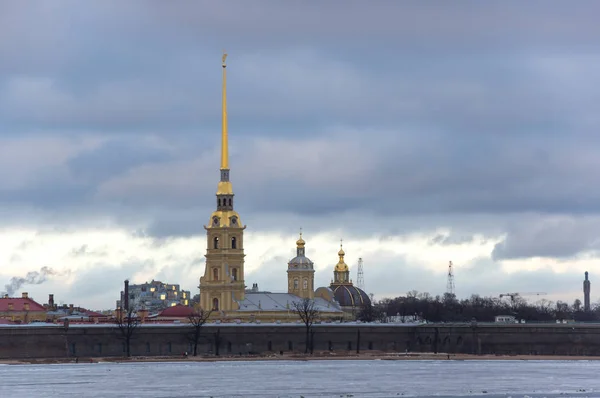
{"type": "Point", "coordinates": [301, 273]}
{"type": "Point", "coordinates": [586, 293]}
{"type": "Point", "coordinates": [341, 273]}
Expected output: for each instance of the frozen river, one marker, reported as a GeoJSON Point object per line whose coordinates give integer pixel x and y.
{"type": "Point", "coordinates": [305, 379]}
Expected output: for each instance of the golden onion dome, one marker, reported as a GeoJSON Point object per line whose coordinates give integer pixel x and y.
{"type": "Point", "coordinates": [300, 242]}
{"type": "Point", "coordinates": [341, 266]}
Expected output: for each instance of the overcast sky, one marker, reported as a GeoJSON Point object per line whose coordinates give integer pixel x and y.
{"type": "Point", "coordinates": [419, 132]}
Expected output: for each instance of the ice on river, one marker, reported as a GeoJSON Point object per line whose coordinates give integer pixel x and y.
{"type": "Point", "coordinates": [330, 378]}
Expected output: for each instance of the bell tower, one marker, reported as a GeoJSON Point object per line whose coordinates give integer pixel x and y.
{"type": "Point", "coordinates": [222, 286]}
{"type": "Point", "coordinates": [301, 273]}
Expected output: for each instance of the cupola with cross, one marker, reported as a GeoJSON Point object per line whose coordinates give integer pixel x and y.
{"type": "Point", "coordinates": [301, 272]}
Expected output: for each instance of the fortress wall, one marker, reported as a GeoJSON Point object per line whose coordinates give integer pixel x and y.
{"type": "Point", "coordinates": [104, 341]}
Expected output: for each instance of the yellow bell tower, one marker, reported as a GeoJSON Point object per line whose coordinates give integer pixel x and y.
{"type": "Point", "coordinates": [301, 273]}
{"type": "Point", "coordinates": [222, 286]}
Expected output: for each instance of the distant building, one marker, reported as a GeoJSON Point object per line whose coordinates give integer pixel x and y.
{"type": "Point", "coordinates": [178, 312]}
{"type": "Point", "coordinates": [155, 296]}
{"type": "Point", "coordinates": [21, 310]}
{"type": "Point", "coordinates": [505, 319]}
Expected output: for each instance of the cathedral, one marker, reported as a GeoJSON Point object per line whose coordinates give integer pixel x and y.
{"type": "Point", "coordinates": [222, 287]}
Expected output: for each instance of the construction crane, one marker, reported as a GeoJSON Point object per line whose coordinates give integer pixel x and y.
{"type": "Point", "coordinates": [514, 295]}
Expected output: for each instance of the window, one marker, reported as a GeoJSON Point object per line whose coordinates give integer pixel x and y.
{"type": "Point", "coordinates": [295, 283]}
{"type": "Point", "coordinates": [229, 201]}
{"type": "Point", "coordinates": [269, 346]}
{"type": "Point", "coordinates": [233, 243]}
{"type": "Point", "coordinates": [305, 284]}
{"type": "Point", "coordinates": [215, 274]}
{"type": "Point", "coordinates": [169, 347]}
{"type": "Point", "coordinates": [234, 274]}
{"type": "Point", "coordinates": [219, 202]}
{"type": "Point", "coordinates": [147, 348]}
{"type": "Point", "coordinates": [99, 348]}
{"type": "Point", "coordinates": [216, 242]}
{"type": "Point", "coordinates": [73, 349]}
{"type": "Point", "coordinates": [215, 304]}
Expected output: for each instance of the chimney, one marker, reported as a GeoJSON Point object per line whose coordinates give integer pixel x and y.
{"type": "Point", "coordinates": [586, 293]}
{"type": "Point", "coordinates": [126, 296]}
{"type": "Point", "coordinates": [51, 301]}
{"type": "Point", "coordinates": [70, 308]}
{"type": "Point", "coordinates": [24, 295]}
{"type": "Point", "coordinates": [6, 296]}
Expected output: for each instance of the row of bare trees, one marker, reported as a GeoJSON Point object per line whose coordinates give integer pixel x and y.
{"type": "Point", "coordinates": [128, 323]}
{"type": "Point", "coordinates": [448, 308]}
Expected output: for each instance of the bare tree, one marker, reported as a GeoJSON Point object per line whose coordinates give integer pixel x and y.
{"type": "Point", "coordinates": [128, 323]}
{"type": "Point", "coordinates": [197, 319]}
{"type": "Point", "coordinates": [308, 313]}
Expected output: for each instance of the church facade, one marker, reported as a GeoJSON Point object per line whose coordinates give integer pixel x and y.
{"type": "Point", "coordinates": [223, 288]}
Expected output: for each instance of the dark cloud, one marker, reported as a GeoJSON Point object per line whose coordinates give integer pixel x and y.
{"type": "Point", "coordinates": [558, 237]}
{"type": "Point", "coordinates": [379, 119]}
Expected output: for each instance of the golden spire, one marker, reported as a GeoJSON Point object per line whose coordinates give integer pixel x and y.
{"type": "Point", "coordinates": [300, 242]}
{"type": "Point", "coordinates": [224, 143]}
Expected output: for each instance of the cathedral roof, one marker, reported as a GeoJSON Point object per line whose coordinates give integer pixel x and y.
{"type": "Point", "coordinates": [281, 302]}
{"type": "Point", "coordinates": [350, 295]}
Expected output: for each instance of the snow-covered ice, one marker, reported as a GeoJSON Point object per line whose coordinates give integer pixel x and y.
{"type": "Point", "coordinates": [330, 378]}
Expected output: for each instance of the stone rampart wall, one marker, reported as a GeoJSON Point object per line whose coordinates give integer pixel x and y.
{"type": "Point", "coordinates": [104, 341]}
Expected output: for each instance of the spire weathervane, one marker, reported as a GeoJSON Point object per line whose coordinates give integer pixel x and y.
{"type": "Point", "coordinates": [224, 143]}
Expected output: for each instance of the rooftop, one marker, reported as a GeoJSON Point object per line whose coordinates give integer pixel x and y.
{"type": "Point", "coordinates": [18, 304]}
{"type": "Point", "coordinates": [281, 302]}
{"type": "Point", "coordinates": [177, 311]}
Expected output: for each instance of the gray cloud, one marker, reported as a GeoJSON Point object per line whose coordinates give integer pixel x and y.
{"type": "Point", "coordinates": [559, 237]}
{"type": "Point", "coordinates": [387, 118]}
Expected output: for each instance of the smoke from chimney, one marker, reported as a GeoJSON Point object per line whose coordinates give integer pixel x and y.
{"type": "Point", "coordinates": [32, 278]}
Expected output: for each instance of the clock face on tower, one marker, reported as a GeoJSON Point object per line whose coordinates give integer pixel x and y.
{"type": "Point", "coordinates": [233, 220]}
{"type": "Point", "coordinates": [215, 221]}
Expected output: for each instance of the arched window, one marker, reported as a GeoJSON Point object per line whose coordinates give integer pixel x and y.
{"type": "Point", "coordinates": [219, 202]}
{"type": "Point", "coordinates": [215, 304]}
{"type": "Point", "coordinates": [215, 274]}
{"type": "Point", "coordinates": [230, 202]}
{"type": "Point", "coordinates": [295, 283]}
{"type": "Point", "coordinates": [216, 242]}
{"type": "Point", "coordinates": [234, 274]}
{"type": "Point", "coordinates": [233, 243]}
{"type": "Point", "coordinates": [305, 284]}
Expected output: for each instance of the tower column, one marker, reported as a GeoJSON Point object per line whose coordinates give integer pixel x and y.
{"type": "Point", "coordinates": [223, 279]}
